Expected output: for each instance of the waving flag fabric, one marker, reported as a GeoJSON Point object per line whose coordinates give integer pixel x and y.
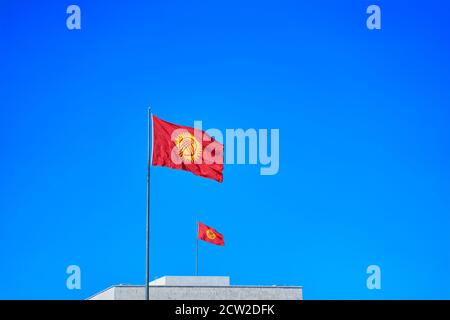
{"type": "Point", "coordinates": [185, 148]}
{"type": "Point", "coordinates": [210, 235]}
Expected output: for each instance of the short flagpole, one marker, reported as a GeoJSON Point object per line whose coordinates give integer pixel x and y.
{"type": "Point", "coordinates": [196, 255]}
{"type": "Point", "coordinates": [147, 243]}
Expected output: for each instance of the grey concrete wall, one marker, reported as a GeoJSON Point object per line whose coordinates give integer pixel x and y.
{"type": "Point", "coordinates": [202, 293]}
{"type": "Point", "coordinates": [108, 294]}
{"type": "Point", "coordinates": [187, 281]}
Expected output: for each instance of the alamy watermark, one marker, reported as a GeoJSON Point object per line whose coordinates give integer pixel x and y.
{"type": "Point", "coordinates": [73, 281]}
{"type": "Point", "coordinates": [73, 21]}
{"type": "Point", "coordinates": [242, 147]}
{"type": "Point", "coordinates": [373, 22]}
{"type": "Point", "coordinates": [374, 279]}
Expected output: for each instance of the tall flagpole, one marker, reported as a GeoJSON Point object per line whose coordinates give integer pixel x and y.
{"type": "Point", "coordinates": [196, 253]}
{"type": "Point", "coordinates": [147, 243]}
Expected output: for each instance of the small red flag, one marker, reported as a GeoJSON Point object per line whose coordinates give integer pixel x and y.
{"type": "Point", "coordinates": [185, 148]}
{"type": "Point", "coordinates": [210, 235]}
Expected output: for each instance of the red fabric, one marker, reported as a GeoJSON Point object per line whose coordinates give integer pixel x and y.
{"type": "Point", "coordinates": [185, 148]}
{"type": "Point", "coordinates": [210, 235]}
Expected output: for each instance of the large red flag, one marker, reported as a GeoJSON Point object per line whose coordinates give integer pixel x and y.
{"type": "Point", "coordinates": [186, 148]}
{"type": "Point", "coordinates": [210, 235]}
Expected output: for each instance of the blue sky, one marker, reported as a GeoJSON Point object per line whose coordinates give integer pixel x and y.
{"type": "Point", "coordinates": [364, 144]}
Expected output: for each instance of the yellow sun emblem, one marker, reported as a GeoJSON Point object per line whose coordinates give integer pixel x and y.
{"type": "Point", "coordinates": [210, 234]}
{"type": "Point", "coordinates": [189, 148]}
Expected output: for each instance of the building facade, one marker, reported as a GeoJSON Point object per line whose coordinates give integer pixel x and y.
{"type": "Point", "coordinates": [199, 288]}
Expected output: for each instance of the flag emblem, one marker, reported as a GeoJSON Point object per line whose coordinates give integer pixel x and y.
{"type": "Point", "coordinates": [189, 148]}
{"type": "Point", "coordinates": [210, 234]}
